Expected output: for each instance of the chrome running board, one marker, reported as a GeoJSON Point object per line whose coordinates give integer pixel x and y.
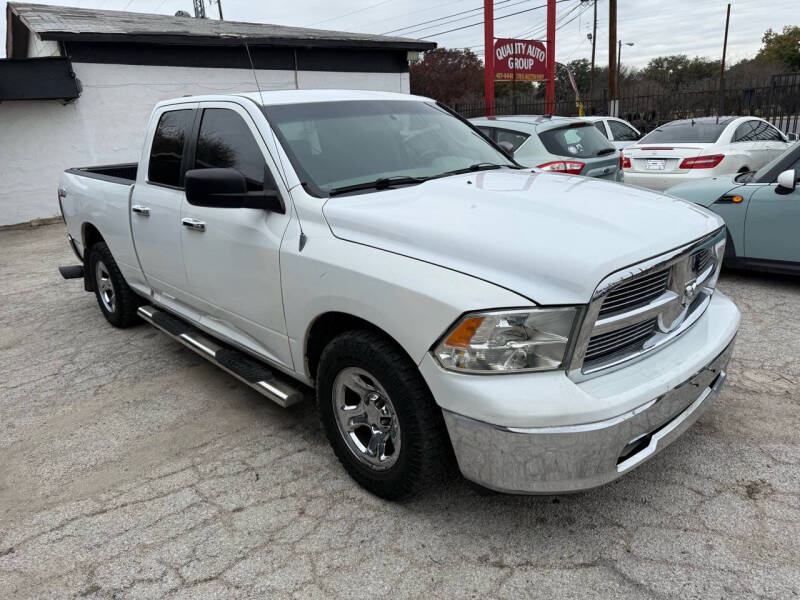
{"type": "Point", "coordinates": [242, 366]}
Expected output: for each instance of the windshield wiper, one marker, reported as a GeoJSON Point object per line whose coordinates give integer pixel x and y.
{"type": "Point", "coordinates": [381, 183]}
{"type": "Point", "coordinates": [483, 166]}
{"type": "Point", "coordinates": [605, 151]}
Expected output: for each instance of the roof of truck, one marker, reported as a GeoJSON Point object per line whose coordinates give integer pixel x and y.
{"type": "Point", "coordinates": [271, 97]}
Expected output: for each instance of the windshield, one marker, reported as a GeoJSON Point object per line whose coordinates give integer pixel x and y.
{"type": "Point", "coordinates": [338, 144]}
{"type": "Point", "coordinates": [683, 132]}
{"type": "Point", "coordinates": [579, 141]}
{"type": "Point", "coordinates": [763, 174]}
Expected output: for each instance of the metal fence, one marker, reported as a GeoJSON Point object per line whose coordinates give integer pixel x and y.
{"type": "Point", "coordinates": [778, 103]}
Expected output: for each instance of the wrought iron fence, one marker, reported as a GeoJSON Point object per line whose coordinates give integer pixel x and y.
{"type": "Point", "coordinates": [778, 103]}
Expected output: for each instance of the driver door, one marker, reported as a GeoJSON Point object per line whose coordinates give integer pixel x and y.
{"type": "Point", "coordinates": [772, 224]}
{"type": "Point", "coordinates": [231, 255]}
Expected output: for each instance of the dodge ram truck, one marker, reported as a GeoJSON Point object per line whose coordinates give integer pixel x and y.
{"type": "Point", "coordinates": [549, 332]}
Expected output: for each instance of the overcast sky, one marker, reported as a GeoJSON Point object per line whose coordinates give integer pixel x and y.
{"type": "Point", "coordinates": [655, 27]}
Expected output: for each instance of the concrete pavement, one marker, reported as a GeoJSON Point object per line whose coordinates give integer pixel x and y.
{"type": "Point", "coordinates": [130, 468]}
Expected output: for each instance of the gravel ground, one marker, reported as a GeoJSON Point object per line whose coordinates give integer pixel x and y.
{"type": "Point", "coordinates": [130, 468]}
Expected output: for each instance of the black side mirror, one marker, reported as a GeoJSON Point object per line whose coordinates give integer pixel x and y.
{"type": "Point", "coordinates": [507, 147]}
{"type": "Point", "coordinates": [227, 188]}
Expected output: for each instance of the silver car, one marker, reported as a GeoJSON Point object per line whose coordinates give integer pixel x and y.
{"type": "Point", "coordinates": [559, 144]}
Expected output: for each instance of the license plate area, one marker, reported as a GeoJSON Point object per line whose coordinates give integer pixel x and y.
{"type": "Point", "coordinates": [656, 164]}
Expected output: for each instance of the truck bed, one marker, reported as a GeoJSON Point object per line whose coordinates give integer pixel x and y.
{"type": "Point", "coordinates": [122, 173]}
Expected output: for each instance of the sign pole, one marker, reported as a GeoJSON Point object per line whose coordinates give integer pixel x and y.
{"type": "Point", "coordinates": [488, 56]}
{"type": "Point", "coordinates": [550, 91]}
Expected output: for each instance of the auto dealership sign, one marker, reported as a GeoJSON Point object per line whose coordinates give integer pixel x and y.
{"type": "Point", "coordinates": [519, 60]}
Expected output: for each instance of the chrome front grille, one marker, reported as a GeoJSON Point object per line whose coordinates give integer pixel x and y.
{"type": "Point", "coordinates": [701, 260]}
{"type": "Point", "coordinates": [628, 338]}
{"type": "Point", "coordinates": [642, 307]}
{"type": "Point", "coordinates": [638, 292]}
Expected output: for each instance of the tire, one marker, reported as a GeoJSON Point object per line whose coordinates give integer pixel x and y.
{"type": "Point", "coordinates": [116, 299]}
{"type": "Point", "coordinates": [367, 374]}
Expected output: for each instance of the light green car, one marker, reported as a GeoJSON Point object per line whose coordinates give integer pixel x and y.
{"type": "Point", "coordinates": [761, 210]}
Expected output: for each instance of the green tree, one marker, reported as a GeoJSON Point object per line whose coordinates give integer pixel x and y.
{"type": "Point", "coordinates": [679, 70]}
{"type": "Point", "coordinates": [783, 47]}
{"type": "Point", "coordinates": [448, 75]}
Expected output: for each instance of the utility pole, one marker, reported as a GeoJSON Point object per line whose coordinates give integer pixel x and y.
{"type": "Point", "coordinates": [722, 65]}
{"type": "Point", "coordinates": [594, 43]}
{"type": "Point", "coordinates": [488, 56]}
{"type": "Point", "coordinates": [550, 90]}
{"type": "Point", "coordinates": [612, 58]}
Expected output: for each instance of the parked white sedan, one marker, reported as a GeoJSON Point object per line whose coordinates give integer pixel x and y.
{"type": "Point", "coordinates": [620, 133]}
{"type": "Point", "coordinates": [691, 149]}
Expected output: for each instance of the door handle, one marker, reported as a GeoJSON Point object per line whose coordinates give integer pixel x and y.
{"type": "Point", "coordinates": [141, 210]}
{"type": "Point", "coordinates": [195, 224]}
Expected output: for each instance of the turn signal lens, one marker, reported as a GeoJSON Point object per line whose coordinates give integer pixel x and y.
{"type": "Point", "coordinates": [702, 162]}
{"type": "Point", "coordinates": [571, 167]}
{"type": "Point", "coordinates": [736, 199]}
{"type": "Point", "coordinates": [463, 333]}
{"type": "Point", "coordinates": [508, 341]}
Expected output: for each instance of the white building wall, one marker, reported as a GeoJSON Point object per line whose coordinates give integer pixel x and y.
{"type": "Point", "coordinates": [38, 48]}
{"type": "Point", "coordinates": [39, 139]}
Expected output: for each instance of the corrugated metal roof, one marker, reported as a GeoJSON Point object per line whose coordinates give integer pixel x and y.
{"type": "Point", "coordinates": [68, 23]}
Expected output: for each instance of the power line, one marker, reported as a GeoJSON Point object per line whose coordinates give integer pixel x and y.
{"type": "Point", "coordinates": [519, 12]}
{"type": "Point", "coordinates": [413, 12]}
{"type": "Point", "coordinates": [352, 12]}
{"type": "Point", "coordinates": [463, 12]}
{"type": "Point", "coordinates": [539, 28]}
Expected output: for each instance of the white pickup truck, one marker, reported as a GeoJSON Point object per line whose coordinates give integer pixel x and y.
{"type": "Point", "coordinates": [552, 332]}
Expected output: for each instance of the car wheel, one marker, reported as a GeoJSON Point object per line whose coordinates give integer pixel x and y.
{"type": "Point", "coordinates": [116, 299]}
{"type": "Point", "coordinates": [380, 417]}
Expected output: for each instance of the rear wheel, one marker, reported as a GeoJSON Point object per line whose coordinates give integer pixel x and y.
{"type": "Point", "coordinates": [115, 297]}
{"type": "Point", "coordinates": [380, 417]}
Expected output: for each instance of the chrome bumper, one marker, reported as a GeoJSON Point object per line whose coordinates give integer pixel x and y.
{"type": "Point", "coordinates": [548, 460]}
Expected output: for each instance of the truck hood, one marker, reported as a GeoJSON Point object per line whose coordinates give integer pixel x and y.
{"type": "Point", "coordinates": [705, 191]}
{"type": "Point", "coordinates": [548, 237]}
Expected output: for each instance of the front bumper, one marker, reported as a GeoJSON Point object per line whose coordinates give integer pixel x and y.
{"type": "Point", "coordinates": [547, 460]}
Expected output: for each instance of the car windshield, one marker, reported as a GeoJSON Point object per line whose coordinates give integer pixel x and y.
{"type": "Point", "coordinates": [580, 140]}
{"type": "Point", "coordinates": [335, 145]}
{"type": "Point", "coordinates": [763, 174]}
{"type": "Point", "coordinates": [685, 132]}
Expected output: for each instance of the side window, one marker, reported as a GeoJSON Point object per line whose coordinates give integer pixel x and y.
{"type": "Point", "coordinates": [489, 132]}
{"type": "Point", "coordinates": [621, 132]}
{"type": "Point", "coordinates": [167, 150]}
{"type": "Point", "coordinates": [515, 138]}
{"type": "Point", "coordinates": [768, 133]}
{"type": "Point", "coordinates": [601, 128]}
{"type": "Point", "coordinates": [225, 141]}
{"type": "Point", "coordinates": [744, 132]}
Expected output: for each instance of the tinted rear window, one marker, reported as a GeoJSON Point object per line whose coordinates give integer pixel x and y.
{"type": "Point", "coordinates": [579, 141]}
{"type": "Point", "coordinates": [167, 150]}
{"type": "Point", "coordinates": [685, 131]}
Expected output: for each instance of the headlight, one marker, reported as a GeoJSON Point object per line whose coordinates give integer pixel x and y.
{"type": "Point", "coordinates": [513, 341]}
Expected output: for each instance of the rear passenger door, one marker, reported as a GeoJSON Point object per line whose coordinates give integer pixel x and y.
{"type": "Point", "coordinates": [156, 202]}
{"type": "Point", "coordinates": [232, 258]}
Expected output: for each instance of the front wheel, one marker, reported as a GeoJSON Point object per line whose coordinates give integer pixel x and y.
{"type": "Point", "coordinates": [380, 417]}
{"type": "Point", "coordinates": [116, 299]}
